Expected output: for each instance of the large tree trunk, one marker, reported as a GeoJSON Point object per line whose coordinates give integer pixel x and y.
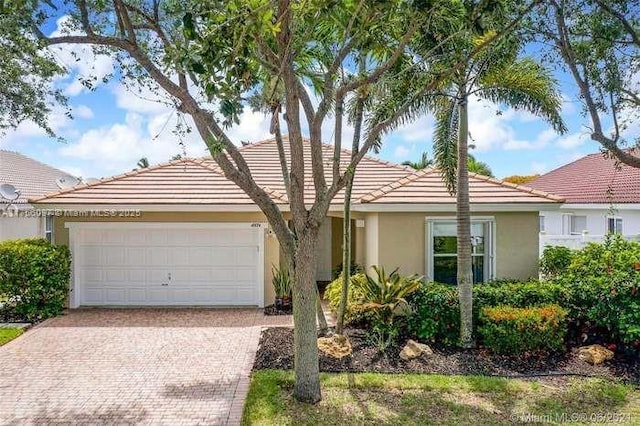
{"type": "Point", "coordinates": [307, 371]}
{"type": "Point", "coordinates": [465, 266]}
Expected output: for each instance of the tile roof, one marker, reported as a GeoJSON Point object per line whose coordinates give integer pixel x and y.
{"type": "Point", "coordinates": [32, 178]}
{"type": "Point", "coordinates": [426, 187]}
{"type": "Point", "coordinates": [200, 181]}
{"type": "Point", "coordinates": [263, 160]}
{"type": "Point", "coordinates": [592, 179]}
{"type": "Point", "coordinates": [186, 181]}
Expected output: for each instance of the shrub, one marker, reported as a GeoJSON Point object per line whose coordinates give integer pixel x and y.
{"type": "Point", "coordinates": [506, 329]}
{"type": "Point", "coordinates": [36, 277]}
{"type": "Point", "coordinates": [281, 282]}
{"type": "Point", "coordinates": [353, 312]}
{"type": "Point", "coordinates": [602, 282]}
{"type": "Point", "coordinates": [384, 297]}
{"type": "Point", "coordinates": [519, 294]}
{"type": "Point", "coordinates": [436, 309]}
{"type": "Point", "coordinates": [555, 260]}
{"type": "Point", "coordinates": [436, 313]}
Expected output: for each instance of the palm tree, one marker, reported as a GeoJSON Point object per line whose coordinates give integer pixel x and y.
{"type": "Point", "coordinates": [479, 167]}
{"type": "Point", "coordinates": [424, 162]}
{"type": "Point", "coordinates": [474, 165]}
{"type": "Point", "coordinates": [496, 74]}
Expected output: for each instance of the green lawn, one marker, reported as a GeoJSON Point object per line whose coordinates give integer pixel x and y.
{"type": "Point", "coordinates": [416, 399]}
{"type": "Point", "coordinates": [8, 334]}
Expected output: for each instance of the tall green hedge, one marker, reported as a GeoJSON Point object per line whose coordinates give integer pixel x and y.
{"type": "Point", "coordinates": [436, 310]}
{"type": "Point", "coordinates": [35, 279]}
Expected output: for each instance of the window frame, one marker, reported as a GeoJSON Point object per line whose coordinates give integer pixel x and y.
{"type": "Point", "coordinates": [489, 254]}
{"type": "Point", "coordinates": [617, 229]}
{"type": "Point", "coordinates": [48, 228]}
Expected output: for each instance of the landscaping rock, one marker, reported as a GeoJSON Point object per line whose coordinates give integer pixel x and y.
{"type": "Point", "coordinates": [337, 346]}
{"type": "Point", "coordinates": [595, 354]}
{"type": "Point", "coordinates": [413, 350]}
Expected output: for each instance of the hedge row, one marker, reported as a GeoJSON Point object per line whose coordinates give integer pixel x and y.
{"type": "Point", "coordinates": [34, 279]}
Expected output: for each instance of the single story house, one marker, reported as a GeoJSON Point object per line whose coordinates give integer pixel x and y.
{"type": "Point", "coordinates": [180, 233]}
{"type": "Point", "coordinates": [31, 179]}
{"type": "Point", "coordinates": [601, 197]}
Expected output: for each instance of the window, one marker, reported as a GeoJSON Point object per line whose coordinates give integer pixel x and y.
{"type": "Point", "coordinates": [442, 248]}
{"type": "Point", "coordinates": [614, 225]}
{"type": "Point", "coordinates": [542, 224]}
{"type": "Point", "coordinates": [578, 224]}
{"type": "Point", "coordinates": [48, 228]}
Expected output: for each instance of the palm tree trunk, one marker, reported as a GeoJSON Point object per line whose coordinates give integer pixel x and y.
{"type": "Point", "coordinates": [346, 257]}
{"type": "Point", "coordinates": [464, 271]}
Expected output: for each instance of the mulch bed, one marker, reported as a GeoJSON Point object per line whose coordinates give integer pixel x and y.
{"type": "Point", "coordinates": [271, 310]}
{"type": "Point", "coordinates": [276, 352]}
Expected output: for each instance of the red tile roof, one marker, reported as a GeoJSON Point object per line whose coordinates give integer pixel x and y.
{"type": "Point", "coordinates": [201, 182]}
{"type": "Point", "coordinates": [592, 179]}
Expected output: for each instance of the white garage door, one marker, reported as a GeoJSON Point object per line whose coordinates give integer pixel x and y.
{"type": "Point", "coordinates": [167, 264]}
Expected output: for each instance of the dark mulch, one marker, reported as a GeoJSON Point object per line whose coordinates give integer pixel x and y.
{"type": "Point", "coordinates": [272, 310]}
{"type": "Point", "coordinates": [276, 352]}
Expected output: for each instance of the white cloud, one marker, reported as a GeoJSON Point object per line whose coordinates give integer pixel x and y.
{"type": "Point", "coordinates": [401, 152]}
{"type": "Point", "coordinates": [420, 130]}
{"type": "Point", "coordinates": [82, 111]}
{"type": "Point", "coordinates": [254, 126]}
{"type": "Point", "coordinates": [572, 141]}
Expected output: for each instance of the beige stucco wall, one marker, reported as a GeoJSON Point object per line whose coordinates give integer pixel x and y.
{"type": "Point", "coordinates": [272, 248]}
{"type": "Point", "coordinates": [398, 240]}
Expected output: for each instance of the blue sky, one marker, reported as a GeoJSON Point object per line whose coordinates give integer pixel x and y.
{"type": "Point", "coordinates": [114, 126]}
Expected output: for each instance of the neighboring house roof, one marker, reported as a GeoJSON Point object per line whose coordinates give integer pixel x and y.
{"type": "Point", "coordinates": [593, 179]}
{"type": "Point", "coordinates": [32, 178]}
{"type": "Point", "coordinates": [200, 181]}
{"type": "Point", "coordinates": [426, 187]}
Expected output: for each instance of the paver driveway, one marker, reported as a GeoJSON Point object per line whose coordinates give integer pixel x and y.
{"type": "Point", "coordinates": [132, 366]}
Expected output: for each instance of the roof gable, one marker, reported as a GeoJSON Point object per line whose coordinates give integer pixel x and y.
{"type": "Point", "coordinates": [592, 179]}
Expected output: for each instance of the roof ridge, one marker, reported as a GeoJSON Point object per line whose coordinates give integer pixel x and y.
{"type": "Point", "coordinates": [385, 189]}
{"type": "Point", "coordinates": [114, 178]}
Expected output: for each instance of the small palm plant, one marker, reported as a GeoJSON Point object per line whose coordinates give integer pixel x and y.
{"type": "Point", "coordinates": [384, 296]}
{"type": "Point", "coordinates": [282, 286]}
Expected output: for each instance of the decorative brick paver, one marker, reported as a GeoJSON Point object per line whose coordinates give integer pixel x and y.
{"type": "Point", "coordinates": [132, 366]}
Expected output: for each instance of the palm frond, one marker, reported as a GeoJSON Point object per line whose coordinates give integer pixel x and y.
{"type": "Point", "coordinates": [525, 85]}
{"type": "Point", "coordinates": [445, 142]}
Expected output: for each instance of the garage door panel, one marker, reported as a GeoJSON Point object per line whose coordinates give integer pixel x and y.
{"type": "Point", "coordinates": [93, 296]}
{"type": "Point", "coordinates": [209, 266]}
{"type": "Point", "coordinates": [135, 256]}
{"type": "Point", "coordinates": [92, 255]}
{"type": "Point", "coordinates": [116, 275]}
{"type": "Point", "coordinates": [137, 295]}
{"type": "Point", "coordinates": [157, 256]}
{"type": "Point", "coordinates": [113, 295]}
